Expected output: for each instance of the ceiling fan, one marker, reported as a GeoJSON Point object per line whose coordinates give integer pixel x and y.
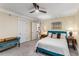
{"type": "Point", "coordinates": [37, 9]}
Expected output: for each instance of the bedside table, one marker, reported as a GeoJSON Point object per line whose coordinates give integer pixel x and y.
{"type": "Point", "coordinates": [73, 42]}
{"type": "Point", "coordinates": [43, 36]}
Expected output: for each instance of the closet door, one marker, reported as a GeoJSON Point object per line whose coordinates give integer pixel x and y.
{"type": "Point", "coordinates": [24, 30]}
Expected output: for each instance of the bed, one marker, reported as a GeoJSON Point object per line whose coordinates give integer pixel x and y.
{"type": "Point", "coordinates": [53, 46]}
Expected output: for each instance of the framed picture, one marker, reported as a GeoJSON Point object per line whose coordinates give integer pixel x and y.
{"type": "Point", "coordinates": [56, 25]}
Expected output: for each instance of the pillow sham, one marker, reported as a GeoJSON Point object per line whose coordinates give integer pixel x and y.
{"type": "Point", "coordinates": [63, 36]}
{"type": "Point", "coordinates": [54, 36]}
{"type": "Point", "coordinates": [50, 35]}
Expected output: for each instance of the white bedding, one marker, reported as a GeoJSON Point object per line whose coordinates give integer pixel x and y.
{"type": "Point", "coordinates": [54, 45]}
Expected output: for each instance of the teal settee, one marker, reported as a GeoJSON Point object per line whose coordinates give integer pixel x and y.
{"type": "Point", "coordinates": [9, 42]}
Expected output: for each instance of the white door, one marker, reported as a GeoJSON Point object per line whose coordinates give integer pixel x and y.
{"type": "Point", "coordinates": [34, 30]}
{"type": "Point", "coordinates": [23, 31]}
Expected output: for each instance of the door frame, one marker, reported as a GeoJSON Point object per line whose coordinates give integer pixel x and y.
{"type": "Point", "coordinates": [36, 30]}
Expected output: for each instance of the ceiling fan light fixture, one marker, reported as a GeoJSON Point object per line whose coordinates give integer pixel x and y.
{"type": "Point", "coordinates": [36, 11]}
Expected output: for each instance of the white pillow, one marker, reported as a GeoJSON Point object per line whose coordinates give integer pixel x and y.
{"type": "Point", "coordinates": [63, 36]}
{"type": "Point", "coordinates": [49, 35]}
{"type": "Point", "coordinates": [54, 36]}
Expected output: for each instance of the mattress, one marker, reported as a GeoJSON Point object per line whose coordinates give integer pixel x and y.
{"type": "Point", "coordinates": [54, 45]}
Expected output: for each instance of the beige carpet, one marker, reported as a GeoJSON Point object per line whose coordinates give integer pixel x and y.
{"type": "Point", "coordinates": [27, 49]}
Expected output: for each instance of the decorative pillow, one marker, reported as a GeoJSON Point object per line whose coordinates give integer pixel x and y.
{"type": "Point", "coordinates": [58, 36]}
{"type": "Point", "coordinates": [50, 35]}
{"type": "Point", "coordinates": [54, 36]}
{"type": "Point", "coordinates": [63, 36]}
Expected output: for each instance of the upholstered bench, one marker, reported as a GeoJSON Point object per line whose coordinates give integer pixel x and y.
{"type": "Point", "coordinates": [6, 43]}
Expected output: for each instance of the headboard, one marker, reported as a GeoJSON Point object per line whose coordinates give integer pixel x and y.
{"type": "Point", "coordinates": [57, 32]}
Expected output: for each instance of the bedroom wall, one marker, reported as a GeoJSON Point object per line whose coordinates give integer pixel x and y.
{"type": "Point", "coordinates": [67, 23]}
{"type": "Point", "coordinates": [8, 25]}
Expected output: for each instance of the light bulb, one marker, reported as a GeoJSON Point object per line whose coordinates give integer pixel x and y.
{"type": "Point", "coordinates": [37, 11]}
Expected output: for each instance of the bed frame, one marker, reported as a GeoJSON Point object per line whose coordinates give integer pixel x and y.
{"type": "Point", "coordinates": [41, 50]}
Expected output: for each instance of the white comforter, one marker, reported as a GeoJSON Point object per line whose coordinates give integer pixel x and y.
{"type": "Point", "coordinates": [54, 45]}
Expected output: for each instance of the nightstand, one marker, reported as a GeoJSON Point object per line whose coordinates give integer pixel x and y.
{"type": "Point", "coordinates": [73, 42]}
{"type": "Point", "coordinates": [43, 36]}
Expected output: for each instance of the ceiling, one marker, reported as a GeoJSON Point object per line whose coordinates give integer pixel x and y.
{"type": "Point", "coordinates": [54, 10]}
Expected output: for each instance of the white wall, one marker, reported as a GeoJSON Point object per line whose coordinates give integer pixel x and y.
{"type": "Point", "coordinates": [8, 25]}
{"type": "Point", "coordinates": [67, 22]}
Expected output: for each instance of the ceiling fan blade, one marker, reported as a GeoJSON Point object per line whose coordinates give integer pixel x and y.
{"type": "Point", "coordinates": [38, 7]}
{"type": "Point", "coordinates": [32, 11]}
{"type": "Point", "coordinates": [35, 6]}
{"type": "Point", "coordinates": [42, 11]}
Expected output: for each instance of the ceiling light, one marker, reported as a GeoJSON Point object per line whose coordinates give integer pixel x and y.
{"type": "Point", "coordinates": [44, 16]}
{"type": "Point", "coordinates": [36, 11]}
